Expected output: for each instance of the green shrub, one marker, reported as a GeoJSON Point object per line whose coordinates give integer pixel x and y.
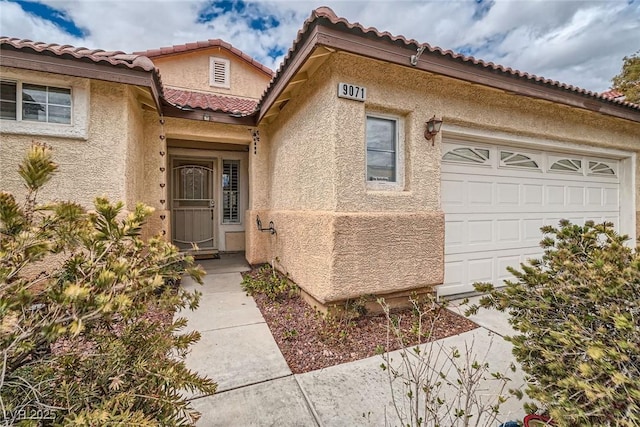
{"type": "Point", "coordinates": [267, 281]}
{"type": "Point", "coordinates": [577, 312]}
{"type": "Point", "coordinates": [86, 329]}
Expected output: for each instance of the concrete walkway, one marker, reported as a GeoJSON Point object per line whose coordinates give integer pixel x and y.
{"type": "Point", "coordinates": [256, 387]}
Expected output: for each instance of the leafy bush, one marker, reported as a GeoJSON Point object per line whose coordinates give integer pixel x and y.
{"type": "Point", "coordinates": [340, 319]}
{"type": "Point", "coordinates": [86, 329]}
{"type": "Point", "coordinates": [269, 282]}
{"type": "Point", "coordinates": [577, 311]}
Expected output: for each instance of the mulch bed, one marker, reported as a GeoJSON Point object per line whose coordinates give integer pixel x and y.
{"type": "Point", "coordinates": [309, 341]}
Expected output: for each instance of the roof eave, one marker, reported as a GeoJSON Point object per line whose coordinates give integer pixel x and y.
{"type": "Point", "coordinates": [86, 69]}
{"type": "Point", "coordinates": [171, 110]}
{"type": "Point", "coordinates": [322, 32]}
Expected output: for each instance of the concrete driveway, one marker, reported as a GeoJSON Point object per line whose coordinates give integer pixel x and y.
{"type": "Point", "coordinates": [257, 388]}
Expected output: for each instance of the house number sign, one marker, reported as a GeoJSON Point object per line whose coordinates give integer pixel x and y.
{"type": "Point", "coordinates": [349, 91]}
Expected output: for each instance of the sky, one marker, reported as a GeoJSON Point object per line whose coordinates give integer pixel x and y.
{"type": "Point", "coordinates": [581, 43]}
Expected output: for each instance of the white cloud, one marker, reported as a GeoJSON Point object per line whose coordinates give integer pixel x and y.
{"type": "Point", "coordinates": [576, 42]}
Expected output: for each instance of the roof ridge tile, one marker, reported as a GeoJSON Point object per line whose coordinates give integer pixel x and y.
{"type": "Point", "coordinates": [325, 12]}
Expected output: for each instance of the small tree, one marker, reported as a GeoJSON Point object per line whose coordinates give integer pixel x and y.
{"type": "Point", "coordinates": [577, 311]}
{"type": "Point", "coordinates": [86, 329]}
{"type": "Point", "coordinates": [628, 81]}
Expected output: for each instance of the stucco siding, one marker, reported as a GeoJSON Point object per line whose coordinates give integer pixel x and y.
{"type": "Point", "coordinates": [190, 71]}
{"type": "Point", "coordinates": [153, 194]}
{"type": "Point", "coordinates": [302, 170]}
{"type": "Point", "coordinates": [87, 168]}
{"type": "Point", "coordinates": [337, 237]}
{"type": "Point", "coordinates": [134, 175]}
{"type": "Point", "coordinates": [302, 247]}
{"type": "Point", "coordinates": [206, 131]}
{"type": "Point", "coordinates": [259, 173]}
{"type": "Point", "coordinates": [335, 256]}
{"type": "Point", "coordinates": [385, 252]}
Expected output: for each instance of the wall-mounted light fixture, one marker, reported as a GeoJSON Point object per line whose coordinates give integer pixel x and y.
{"type": "Point", "coordinates": [432, 127]}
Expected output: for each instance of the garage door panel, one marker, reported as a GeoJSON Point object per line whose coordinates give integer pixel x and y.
{"type": "Point", "coordinates": [575, 197]}
{"type": "Point", "coordinates": [479, 193]}
{"type": "Point", "coordinates": [554, 195]}
{"type": "Point", "coordinates": [611, 198]}
{"type": "Point", "coordinates": [455, 273]}
{"type": "Point", "coordinates": [594, 196]}
{"type": "Point", "coordinates": [532, 194]}
{"type": "Point", "coordinates": [481, 270]}
{"type": "Point", "coordinates": [453, 192]}
{"type": "Point", "coordinates": [480, 231]}
{"type": "Point", "coordinates": [486, 233]}
{"type": "Point", "coordinates": [531, 229]}
{"type": "Point", "coordinates": [461, 196]}
{"type": "Point", "coordinates": [454, 233]}
{"type": "Point", "coordinates": [508, 193]}
{"type": "Point", "coordinates": [493, 212]}
{"type": "Point", "coordinates": [509, 230]}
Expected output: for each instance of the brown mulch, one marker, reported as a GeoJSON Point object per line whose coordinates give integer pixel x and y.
{"type": "Point", "coordinates": [309, 341]}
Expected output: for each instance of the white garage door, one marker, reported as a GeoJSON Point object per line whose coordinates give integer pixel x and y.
{"type": "Point", "coordinates": [496, 198]}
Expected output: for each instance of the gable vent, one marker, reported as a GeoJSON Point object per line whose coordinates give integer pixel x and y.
{"type": "Point", "coordinates": [219, 72]}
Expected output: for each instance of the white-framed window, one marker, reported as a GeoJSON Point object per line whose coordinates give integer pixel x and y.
{"type": "Point", "coordinates": [565, 164]}
{"type": "Point", "coordinates": [34, 102]}
{"type": "Point", "coordinates": [231, 191]}
{"type": "Point", "coordinates": [385, 156]}
{"type": "Point", "coordinates": [478, 156]}
{"type": "Point", "coordinates": [510, 158]}
{"type": "Point", "coordinates": [219, 72]}
{"type": "Point", "coordinates": [605, 168]}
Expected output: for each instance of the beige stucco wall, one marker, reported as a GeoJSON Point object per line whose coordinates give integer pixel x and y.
{"type": "Point", "coordinates": [87, 167]}
{"type": "Point", "coordinates": [134, 172]}
{"type": "Point", "coordinates": [382, 241]}
{"type": "Point", "coordinates": [152, 193]}
{"type": "Point", "coordinates": [334, 253]}
{"type": "Point", "coordinates": [302, 151]}
{"type": "Point", "coordinates": [191, 71]}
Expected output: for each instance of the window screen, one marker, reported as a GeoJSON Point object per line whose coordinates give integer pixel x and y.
{"type": "Point", "coordinates": [382, 149]}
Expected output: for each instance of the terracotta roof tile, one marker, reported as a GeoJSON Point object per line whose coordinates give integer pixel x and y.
{"type": "Point", "coordinates": [612, 94]}
{"type": "Point", "coordinates": [209, 101]}
{"type": "Point", "coordinates": [328, 15]}
{"type": "Point", "coordinates": [99, 56]}
{"type": "Point", "coordinates": [205, 44]}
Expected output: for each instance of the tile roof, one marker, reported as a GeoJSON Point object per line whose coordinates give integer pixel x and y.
{"type": "Point", "coordinates": [612, 94]}
{"type": "Point", "coordinates": [98, 56]}
{"type": "Point", "coordinates": [327, 16]}
{"type": "Point", "coordinates": [206, 44]}
{"type": "Point", "coordinates": [209, 101]}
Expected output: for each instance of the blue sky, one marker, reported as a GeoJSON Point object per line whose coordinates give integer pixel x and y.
{"type": "Point", "coordinates": [576, 42]}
